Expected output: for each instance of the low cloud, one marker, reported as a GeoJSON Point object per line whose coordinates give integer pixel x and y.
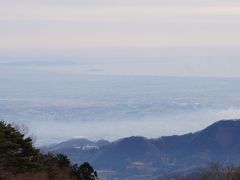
{"type": "Point", "coordinates": [230, 113]}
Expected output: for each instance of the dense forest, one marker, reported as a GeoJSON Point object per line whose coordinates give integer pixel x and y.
{"type": "Point", "coordinates": [20, 160]}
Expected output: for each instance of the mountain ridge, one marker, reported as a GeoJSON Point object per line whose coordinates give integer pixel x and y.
{"type": "Point", "coordinates": [139, 156]}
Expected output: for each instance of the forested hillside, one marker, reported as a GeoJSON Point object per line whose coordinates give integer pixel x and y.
{"type": "Point", "coordinates": [19, 160]}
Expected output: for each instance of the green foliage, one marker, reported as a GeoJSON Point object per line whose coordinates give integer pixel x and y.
{"type": "Point", "coordinates": [16, 150]}
{"type": "Point", "coordinates": [18, 156]}
{"type": "Point", "coordinates": [63, 160]}
{"type": "Point", "coordinates": [85, 172]}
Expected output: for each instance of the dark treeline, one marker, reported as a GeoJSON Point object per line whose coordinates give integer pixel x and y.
{"type": "Point", "coordinates": [20, 160]}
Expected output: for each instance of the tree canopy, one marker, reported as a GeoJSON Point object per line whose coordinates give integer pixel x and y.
{"type": "Point", "coordinates": [19, 158]}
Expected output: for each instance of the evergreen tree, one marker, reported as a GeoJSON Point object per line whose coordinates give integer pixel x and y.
{"type": "Point", "coordinates": [18, 156]}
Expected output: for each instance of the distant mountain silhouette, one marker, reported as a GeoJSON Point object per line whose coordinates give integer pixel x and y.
{"type": "Point", "coordinates": [141, 157]}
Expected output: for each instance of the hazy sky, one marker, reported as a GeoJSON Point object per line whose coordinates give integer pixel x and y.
{"type": "Point", "coordinates": [42, 39]}
{"type": "Point", "coordinates": [200, 29]}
